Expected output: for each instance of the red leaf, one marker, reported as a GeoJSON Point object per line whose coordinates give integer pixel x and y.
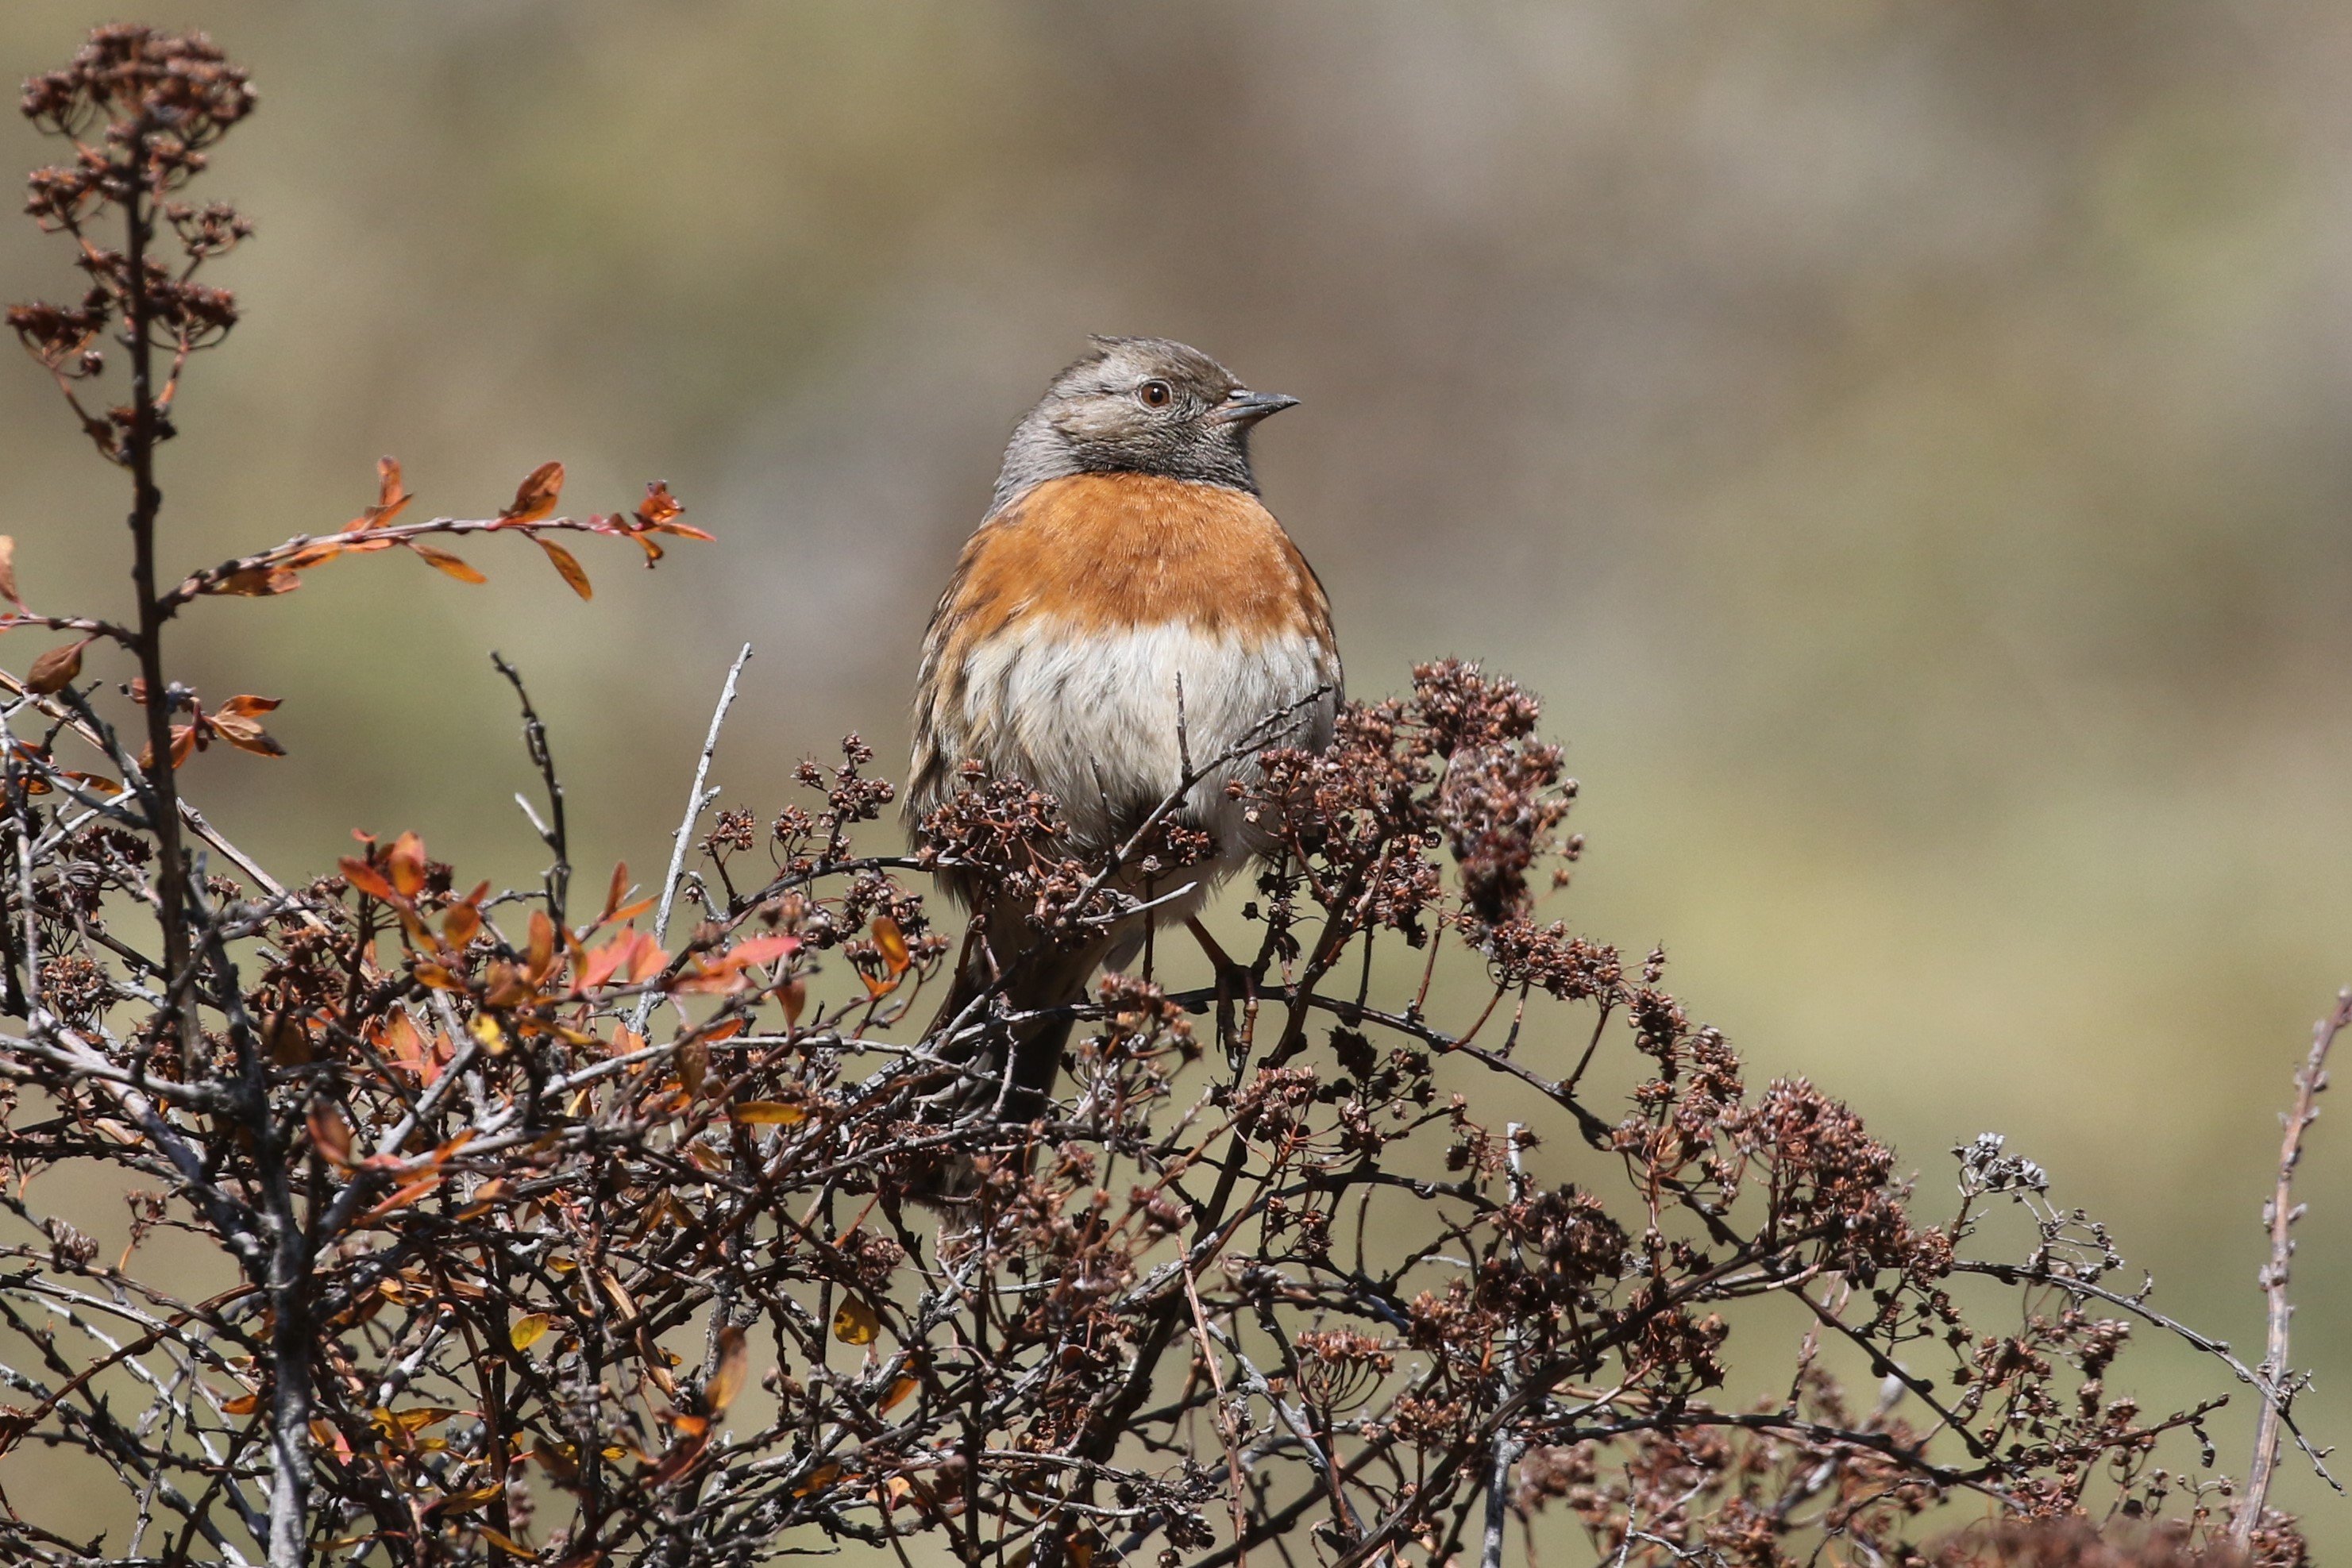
{"type": "Point", "coordinates": [648, 960]}
{"type": "Point", "coordinates": [566, 566]}
{"type": "Point", "coordinates": [442, 560]}
{"type": "Point", "coordinates": [762, 950]}
{"type": "Point", "coordinates": [631, 955]}
{"type": "Point", "coordinates": [536, 496]}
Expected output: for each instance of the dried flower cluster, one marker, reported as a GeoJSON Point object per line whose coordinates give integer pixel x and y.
{"type": "Point", "coordinates": [542, 1234]}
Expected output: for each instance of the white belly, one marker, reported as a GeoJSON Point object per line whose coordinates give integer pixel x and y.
{"type": "Point", "coordinates": [1095, 718]}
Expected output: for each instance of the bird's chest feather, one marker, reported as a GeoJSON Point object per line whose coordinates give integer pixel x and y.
{"type": "Point", "coordinates": [1109, 629]}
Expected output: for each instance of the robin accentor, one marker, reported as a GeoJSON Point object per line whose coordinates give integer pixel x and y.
{"type": "Point", "coordinates": [1125, 558]}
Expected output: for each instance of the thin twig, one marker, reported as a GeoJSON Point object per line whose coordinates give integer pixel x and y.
{"type": "Point", "coordinates": [2280, 1215]}
{"type": "Point", "coordinates": [553, 835]}
{"type": "Point", "coordinates": [696, 800]}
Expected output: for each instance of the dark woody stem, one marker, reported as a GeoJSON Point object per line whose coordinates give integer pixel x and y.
{"type": "Point", "coordinates": [161, 787]}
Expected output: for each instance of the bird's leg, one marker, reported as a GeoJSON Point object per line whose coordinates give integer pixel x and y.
{"type": "Point", "coordinates": [1227, 968]}
{"type": "Point", "coordinates": [1231, 979]}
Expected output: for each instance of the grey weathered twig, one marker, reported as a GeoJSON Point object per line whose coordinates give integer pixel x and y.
{"type": "Point", "coordinates": [2279, 1216]}
{"type": "Point", "coordinates": [697, 799]}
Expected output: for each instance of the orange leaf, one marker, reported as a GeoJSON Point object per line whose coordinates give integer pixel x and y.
{"type": "Point", "coordinates": [443, 561]}
{"type": "Point", "coordinates": [389, 496]}
{"type": "Point", "coordinates": [659, 507]}
{"type": "Point", "coordinates": [289, 1043]}
{"type": "Point", "coordinates": [615, 893]}
{"type": "Point", "coordinates": [567, 565]}
{"type": "Point", "coordinates": [541, 957]}
{"type": "Point", "coordinates": [892, 943]}
{"type": "Point", "coordinates": [9, 571]}
{"type": "Point", "coordinates": [246, 736]}
{"type": "Point", "coordinates": [536, 496]}
{"type": "Point", "coordinates": [57, 669]}
{"type": "Point", "coordinates": [527, 1331]}
{"type": "Point", "coordinates": [408, 1048]}
{"type": "Point", "coordinates": [259, 581]}
{"type": "Point", "coordinates": [648, 960]}
{"type": "Point", "coordinates": [458, 1503]}
{"type": "Point", "coordinates": [618, 1294]}
{"type": "Point", "coordinates": [402, 1198]}
{"type": "Point", "coordinates": [331, 1134]}
{"type": "Point", "coordinates": [767, 1113]}
{"type": "Point", "coordinates": [406, 861]}
{"type": "Point", "coordinates": [895, 1393]}
{"type": "Point", "coordinates": [676, 1462]}
{"type": "Point", "coordinates": [461, 924]}
{"type": "Point", "coordinates": [243, 1405]}
{"type": "Point", "coordinates": [364, 878]}
{"type": "Point", "coordinates": [247, 705]}
{"type": "Point", "coordinates": [734, 1366]}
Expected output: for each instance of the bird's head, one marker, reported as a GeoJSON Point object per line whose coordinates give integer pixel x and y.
{"type": "Point", "coordinates": [1139, 405]}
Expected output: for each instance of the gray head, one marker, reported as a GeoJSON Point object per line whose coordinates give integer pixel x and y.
{"type": "Point", "coordinates": [1139, 405]}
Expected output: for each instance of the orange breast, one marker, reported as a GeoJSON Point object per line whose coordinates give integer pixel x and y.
{"type": "Point", "coordinates": [1103, 551]}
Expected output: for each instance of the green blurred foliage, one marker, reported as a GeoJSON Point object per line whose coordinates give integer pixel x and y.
{"type": "Point", "coordinates": [1905, 440]}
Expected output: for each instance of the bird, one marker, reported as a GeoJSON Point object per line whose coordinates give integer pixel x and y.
{"type": "Point", "coordinates": [1127, 607]}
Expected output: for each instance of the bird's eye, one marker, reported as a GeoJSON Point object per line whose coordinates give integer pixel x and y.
{"type": "Point", "coordinates": [1156, 394]}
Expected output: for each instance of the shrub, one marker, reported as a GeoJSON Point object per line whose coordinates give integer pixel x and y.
{"type": "Point", "coordinates": [555, 1237]}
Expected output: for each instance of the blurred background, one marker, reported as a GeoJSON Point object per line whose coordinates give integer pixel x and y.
{"type": "Point", "coordinates": [1905, 442]}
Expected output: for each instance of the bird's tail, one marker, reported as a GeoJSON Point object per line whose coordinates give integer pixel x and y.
{"type": "Point", "coordinates": [1008, 1069]}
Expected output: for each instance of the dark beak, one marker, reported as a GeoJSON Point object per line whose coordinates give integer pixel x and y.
{"type": "Point", "coordinates": [1249, 407]}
